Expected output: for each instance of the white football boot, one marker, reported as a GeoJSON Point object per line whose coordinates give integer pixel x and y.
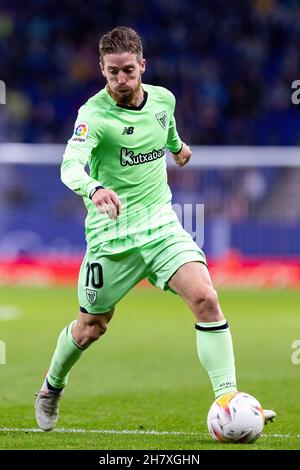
{"type": "Point", "coordinates": [47, 408]}
{"type": "Point", "coordinates": [269, 415]}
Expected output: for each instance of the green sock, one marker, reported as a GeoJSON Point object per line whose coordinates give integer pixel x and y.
{"type": "Point", "coordinates": [67, 352]}
{"type": "Point", "coordinates": [215, 351]}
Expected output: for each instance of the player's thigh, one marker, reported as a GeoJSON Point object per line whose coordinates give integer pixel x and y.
{"type": "Point", "coordinates": [168, 254]}
{"type": "Point", "coordinates": [105, 279]}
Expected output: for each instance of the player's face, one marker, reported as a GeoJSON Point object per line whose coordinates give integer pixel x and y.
{"type": "Point", "coordinates": [123, 73]}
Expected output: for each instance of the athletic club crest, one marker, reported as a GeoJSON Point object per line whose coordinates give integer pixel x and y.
{"type": "Point", "coordinates": [162, 119]}
{"type": "Point", "coordinates": [91, 295]}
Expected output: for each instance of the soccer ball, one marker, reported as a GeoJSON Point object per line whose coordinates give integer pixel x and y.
{"type": "Point", "coordinates": [235, 417]}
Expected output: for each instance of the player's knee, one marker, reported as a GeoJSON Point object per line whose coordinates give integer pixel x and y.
{"type": "Point", "coordinates": [91, 333]}
{"type": "Point", "coordinates": [96, 330]}
{"type": "Point", "coordinates": [206, 305]}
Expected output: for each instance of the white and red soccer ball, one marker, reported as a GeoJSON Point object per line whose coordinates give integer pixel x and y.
{"type": "Point", "coordinates": [236, 417]}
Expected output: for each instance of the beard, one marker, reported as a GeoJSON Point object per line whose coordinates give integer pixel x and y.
{"type": "Point", "coordinates": [125, 96]}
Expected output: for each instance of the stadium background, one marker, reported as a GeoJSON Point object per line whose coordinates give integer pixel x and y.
{"type": "Point", "coordinates": [230, 66]}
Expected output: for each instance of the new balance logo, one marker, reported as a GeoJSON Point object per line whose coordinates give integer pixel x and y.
{"type": "Point", "coordinates": [128, 130]}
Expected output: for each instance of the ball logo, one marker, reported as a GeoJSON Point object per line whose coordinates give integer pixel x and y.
{"type": "Point", "coordinates": [80, 133]}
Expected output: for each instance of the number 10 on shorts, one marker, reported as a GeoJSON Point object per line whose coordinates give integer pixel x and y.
{"type": "Point", "coordinates": [94, 275]}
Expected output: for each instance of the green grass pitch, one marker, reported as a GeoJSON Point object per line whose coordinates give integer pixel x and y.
{"type": "Point", "coordinates": [144, 374]}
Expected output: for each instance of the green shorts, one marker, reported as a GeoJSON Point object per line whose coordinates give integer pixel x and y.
{"type": "Point", "coordinates": [106, 276]}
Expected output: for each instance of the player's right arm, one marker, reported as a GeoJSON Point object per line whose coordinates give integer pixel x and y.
{"type": "Point", "coordinates": [107, 202]}
{"type": "Point", "coordinates": [86, 137]}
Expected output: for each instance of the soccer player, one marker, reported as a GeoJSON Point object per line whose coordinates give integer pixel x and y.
{"type": "Point", "coordinates": [131, 230]}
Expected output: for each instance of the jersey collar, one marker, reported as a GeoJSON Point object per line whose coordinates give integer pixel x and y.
{"type": "Point", "coordinates": [131, 108]}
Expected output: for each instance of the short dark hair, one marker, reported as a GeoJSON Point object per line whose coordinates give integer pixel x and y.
{"type": "Point", "coordinates": [120, 39]}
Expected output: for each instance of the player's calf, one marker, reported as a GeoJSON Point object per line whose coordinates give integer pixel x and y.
{"type": "Point", "coordinates": [72, 342]}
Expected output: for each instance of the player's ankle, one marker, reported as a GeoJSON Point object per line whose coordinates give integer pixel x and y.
{"type": "Point", "coordinates": [52, 389]}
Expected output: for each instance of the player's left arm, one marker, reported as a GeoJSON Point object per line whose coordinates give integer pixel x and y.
{"type": "Point", "coordinates": [181, 152]}
{"type": "Point", "coordinates": [183, 156]}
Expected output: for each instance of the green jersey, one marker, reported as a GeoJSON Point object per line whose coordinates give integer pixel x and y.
{"type": "Point", "coordinates": [125, 150]}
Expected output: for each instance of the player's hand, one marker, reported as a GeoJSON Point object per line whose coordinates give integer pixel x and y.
{"type": "Point", "coordinates": [107, 202]}
{"type": "Point", "coordinates": [183, 156]}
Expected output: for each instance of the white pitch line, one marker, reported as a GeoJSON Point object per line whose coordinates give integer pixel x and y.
{"type": "Point", "coordinates": [109, 431]}
{"type": "Point", "coordinates": [135, 432]}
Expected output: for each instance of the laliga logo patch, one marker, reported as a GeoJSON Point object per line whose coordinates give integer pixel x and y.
{"type": "Point", "coordinates": [80, 133]}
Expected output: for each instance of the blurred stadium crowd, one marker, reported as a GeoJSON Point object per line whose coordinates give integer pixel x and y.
{"type": "Point", "coordinates": [229, 63]}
